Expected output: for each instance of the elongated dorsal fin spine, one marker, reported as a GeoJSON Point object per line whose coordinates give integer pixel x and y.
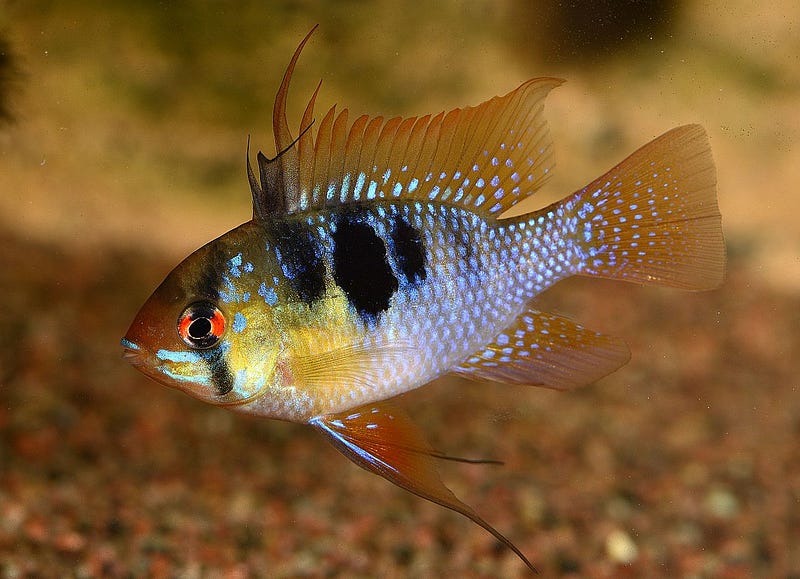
{"type": "Point", "coordinates": [279, 191]}
{"type": "Point", "coordinates": [287, 154]}
{"type": "Point", "coordinates": [255, 188]}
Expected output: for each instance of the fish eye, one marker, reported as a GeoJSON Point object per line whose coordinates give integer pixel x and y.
{"type": "Point", "coordinates": [201, 325]}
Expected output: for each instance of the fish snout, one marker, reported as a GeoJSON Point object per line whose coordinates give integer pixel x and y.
{"type": "Point", "coordinates": [131, 352]}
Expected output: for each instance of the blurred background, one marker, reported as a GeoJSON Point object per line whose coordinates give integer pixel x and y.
{"type": "Point", "coordinates": [122, 139]}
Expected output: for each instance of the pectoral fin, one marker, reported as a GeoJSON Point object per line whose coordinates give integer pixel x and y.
{"type": "Point", "coordinates": [382, 439]}
{"type": "Point", "coordinates": [546, 350]}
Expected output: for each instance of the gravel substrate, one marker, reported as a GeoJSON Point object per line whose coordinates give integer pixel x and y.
{"type": "Point", "coordinates": [684, 464]}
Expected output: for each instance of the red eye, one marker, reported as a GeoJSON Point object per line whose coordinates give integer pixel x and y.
{"type": "Point", "coordinates": [201, 325]}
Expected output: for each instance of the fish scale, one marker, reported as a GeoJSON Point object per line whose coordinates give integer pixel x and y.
{"type": "Point", "coordinates": [457, 293]}
{"type": "Point", "coordinates": [378, 259]}
{"type": "Point", "coordinates": [446, 299]}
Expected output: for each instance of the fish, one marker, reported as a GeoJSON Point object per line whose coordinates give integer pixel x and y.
{"type": "Point", "coordinates": [379, 257]}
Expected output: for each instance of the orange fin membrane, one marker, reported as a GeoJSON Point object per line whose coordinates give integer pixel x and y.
{"type": "Point", "coordinates": [484, 158]}
{"type": "Point", "coordinates": [546, 350]}
{"type": "Point", "coordinates": [654, 218]}
{"type": "Point", "coordinates": [382, 439]}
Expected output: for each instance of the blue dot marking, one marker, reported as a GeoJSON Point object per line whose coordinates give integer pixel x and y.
{"type": "Point", "coordinates": [235, 263]}
{"type": "Point", "coordinates": [239, 323]}
{"type": "Point", "coordinates": [268, 293]}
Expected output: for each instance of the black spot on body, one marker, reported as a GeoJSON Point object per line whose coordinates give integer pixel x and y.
{"type": "Point", "coordinates": [409, 252]}
{"type": "Point", "coordinates": [361, 268]}
{"type": "Point", "coordinates": [301, 260]}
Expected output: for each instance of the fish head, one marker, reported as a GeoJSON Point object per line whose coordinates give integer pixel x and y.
{"type": "Point", "coordinates": [209, 329]}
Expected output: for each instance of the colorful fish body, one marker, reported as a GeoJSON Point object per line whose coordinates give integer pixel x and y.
{"type": "Point", "coordinates": [378, 259]}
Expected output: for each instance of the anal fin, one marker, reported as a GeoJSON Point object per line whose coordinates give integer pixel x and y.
{"type": "Point", "coordinates": [382, 439]}
{"type": "Point", "coordinates": [546, 350]}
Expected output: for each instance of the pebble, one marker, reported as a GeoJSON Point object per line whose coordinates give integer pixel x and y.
{"type": "Point", "coordinates": [722, 503]}
{"type": "Point", "coordinates": [621, 548]}
{"type": "Point", "coordinates": [69, 542]}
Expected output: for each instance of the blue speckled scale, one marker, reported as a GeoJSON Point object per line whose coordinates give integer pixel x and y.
{"type": "Point", "coordinates": [479, 277]}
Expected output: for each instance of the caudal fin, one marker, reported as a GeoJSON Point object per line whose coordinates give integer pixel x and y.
{"type": "Point", "coordinates": [654, 217]}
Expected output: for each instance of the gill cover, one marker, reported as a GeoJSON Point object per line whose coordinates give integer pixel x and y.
{"type": "Point", "coordinates": [189, 338]}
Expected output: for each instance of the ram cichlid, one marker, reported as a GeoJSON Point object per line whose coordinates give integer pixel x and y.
{"type": "Point", "coordinates": [378, 258]}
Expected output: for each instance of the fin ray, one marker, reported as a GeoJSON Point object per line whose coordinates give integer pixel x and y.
{"type": "Point", "coordinates": [654, 218]}
{"type": "Point", "coordinates": [322, 145]}
{"type": "Point", "coordinates": [286, 153]}
{"type": "Point", "coordinates": [305, 149]}
{"type": "Point", "coordinates": [382, 439]}
{"type": "Point", "coordinates": [345, 367]}
{"type": "Point", "coordinates": [487, 157]}
{"type": "Point", "coordinates": [355, 138]}
{"type": "Point", "coordinates": [542, 349]}
{"type": "Point", "coordinates": [338, 153]}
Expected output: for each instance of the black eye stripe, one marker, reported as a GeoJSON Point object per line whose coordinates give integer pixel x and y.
{"type": "Point", "coordinates": [221, 376]}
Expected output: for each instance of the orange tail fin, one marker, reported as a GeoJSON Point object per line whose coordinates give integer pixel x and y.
{"type": "Point", "coordinates": [654, 217]}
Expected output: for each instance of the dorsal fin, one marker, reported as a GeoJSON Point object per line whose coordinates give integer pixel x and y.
{"type": "Point", "coordinates": [286, 152]}
{"type": "Point", "coordinates": [280, 176]}
{"type": "Point", "coordinates": [485, 158]}
{"type": "Point", "coordinates": [306, 141]}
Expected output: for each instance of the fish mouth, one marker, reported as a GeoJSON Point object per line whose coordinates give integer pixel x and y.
{"type": "Point", "coordinates": [196, 386]}
{"type": "Point", "coordinates": [131, 352]}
